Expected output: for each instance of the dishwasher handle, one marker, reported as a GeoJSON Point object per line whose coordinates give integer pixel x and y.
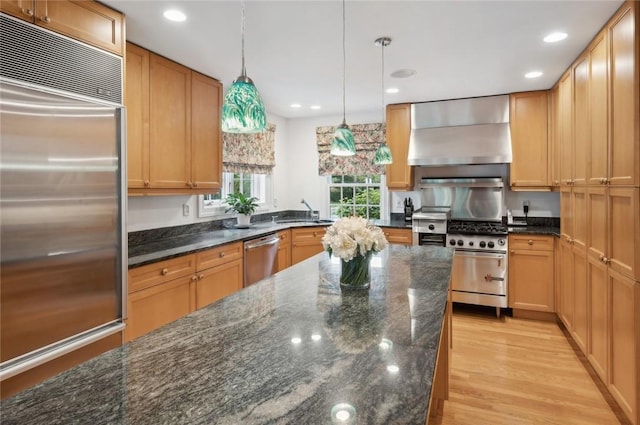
{"type": "Point", "coordinates": [268, 240]}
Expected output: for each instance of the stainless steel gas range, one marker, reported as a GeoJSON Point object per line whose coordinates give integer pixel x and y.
{"type": "Point", "coordinates": [466, 214]}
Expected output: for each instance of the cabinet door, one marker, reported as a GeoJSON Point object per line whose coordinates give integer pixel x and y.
{"type": "Point", "coordinates": [399, 175]}
{"type": "Point", "coordinates": [598, 224]}
{"type": "Point", "coordinates": [169, 124]}
{"type": "Point", "coordinates": [156, 273]}
{"type": "Point", "coordinates": [137, 103]}
{"type": "Point", "coordinates": [581, 126]}
{"type": "Point", "coordinates": [398, 236]}
{"type": "Point", "coordinates": [554, 136]}
{"type": "Point", "coordinates": [283, 257]}
{"type": "Point", "coordinates": [624, 253]}
{"type": "Point", "coordinates": [218, 282]}
{"type": "Point", "coordinates": [566, 284]}
{"type": "Point", "coordinates": [306, 242]}
{"type": "Point", "coordinates": [154, 307]}
{"type": "Point", "coordinates": [23, 9]}
{"type": "Point", "coordinates": [566, 214]}
{"type": "Point", "coordinates": [87, 21]}
{"type": "Point", "coordinates": [625, 91]}
{"type": "Point", "coordinates": [528, 121]}
{"type": "Point", "coordinates": [579, 198]}
{"type": "Point", "coordinates": [531, 280]}
{"type": "Point", "coordinates": [206, 139]}
{"type": "Point", "coordinates": [598, 349]}
{"type": "Point", "coordinates": [599, 112]}
{"type": "Point", "coordinates": [580, 299]}
{"type": "Point", "coordinates": [566, 129]}
{"type": "Point", "coordinates": [625, 319]}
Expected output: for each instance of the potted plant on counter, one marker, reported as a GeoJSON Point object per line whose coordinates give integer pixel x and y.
{"type": "Point", "coordinates": [243, 206]}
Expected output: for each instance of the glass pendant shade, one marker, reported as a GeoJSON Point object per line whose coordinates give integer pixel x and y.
{"type": "Point", "coordinates": [383, 155]}
{"type": "Point", "coordinates": [243, 110]}
{"type": "Point", "coordinates": [342, 143]}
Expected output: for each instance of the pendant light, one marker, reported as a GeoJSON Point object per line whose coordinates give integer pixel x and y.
{"type": "Point", "coordinates": [383, 154]}
{"type": "Point", "coordinates": [242, 109]}
{"type": "Point", "coordinates": [342, 143]}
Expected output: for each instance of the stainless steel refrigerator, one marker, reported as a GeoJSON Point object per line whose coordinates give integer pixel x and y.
{"type": "Point", "coordinates": [62, 234]}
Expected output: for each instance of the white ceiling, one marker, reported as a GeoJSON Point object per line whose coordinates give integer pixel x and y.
{"type": "Point", "coordinates": [293, 49]}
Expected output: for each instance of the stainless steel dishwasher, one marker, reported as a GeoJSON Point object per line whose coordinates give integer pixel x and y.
{"type": "Point", "coordinates": [259, 258]}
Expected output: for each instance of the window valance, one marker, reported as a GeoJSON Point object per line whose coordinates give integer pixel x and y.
{"type": "Point", "coordinates": [249, 153]}
{"type": "Point", "coordinates": [367, 137]}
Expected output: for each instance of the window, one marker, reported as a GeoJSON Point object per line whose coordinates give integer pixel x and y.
{"type": "Point", "coordinates": [360, 195]}
{"type": "Point", "coordinates": [248, 184]}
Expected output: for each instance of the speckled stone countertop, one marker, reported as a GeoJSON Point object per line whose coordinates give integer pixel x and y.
{"type": "Point", "coordinates": [176, 246]}
{"type": "Point", "coordinates": [283, 351]}
{"type": "Point", "coordinates": [535, 230]}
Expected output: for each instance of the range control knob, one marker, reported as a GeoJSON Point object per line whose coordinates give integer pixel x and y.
{"type": "Point", "coordinates": [483, 244]}
{"type": "Point", "coordinates": [470, 243]}
{"type": "Point", "coordinates": [501, 242]}
{"type": "Point", "coordinates": [452, 242]}
{"type": "Point", "coordinates": [460, 242]}
{"type": "Point", "coordinates": [432, 227]}
{"type": "Point", "coordinates": [490, 244]}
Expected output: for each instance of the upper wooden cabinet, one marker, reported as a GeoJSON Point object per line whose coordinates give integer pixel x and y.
{"type": "Point", "coordinates": [528, 115]}
{"type": "Point", "coordinates": [174, 140]}
{"type": "Point", "coordinates": [565, 117]}
{"type": "Point", "coordinates": [554, 137]}
{"type": "Point", "coordinates": [84, 20]}
{"type": "Point", "coordinates": [624, 153]}
{"type": "Point", "coordinates": [399, 174]}
{"type": "Point", "coordinates": [597, 170]}
{"type": "Point", "coordinates": [581, 128]}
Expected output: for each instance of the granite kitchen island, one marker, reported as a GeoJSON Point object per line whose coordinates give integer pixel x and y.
{"type": "Point", "coordinates": [292, 349]}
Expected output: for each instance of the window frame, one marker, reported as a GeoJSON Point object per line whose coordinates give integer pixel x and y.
{"type": "Point", "coordinates": [384, 193]}
{"type": "Point", "coordinates": [216, 208]}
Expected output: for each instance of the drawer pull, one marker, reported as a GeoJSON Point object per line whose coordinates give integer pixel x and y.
{"type": "Point", "coordinates": [530, 241]}
{"type": "Point", "coordinates": [27, 12]}
{"type": "Point", "coordinates": [221, 254]}
{"type": "Point", "coordinates": [194, 278]}
{"type": "Point", "coordinates": [201, 276]}
{"type": "Point", "coordinates": [165, 272]}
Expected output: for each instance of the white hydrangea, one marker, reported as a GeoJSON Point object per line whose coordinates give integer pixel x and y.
{"type": "Point", "coordinates": [353, 236]}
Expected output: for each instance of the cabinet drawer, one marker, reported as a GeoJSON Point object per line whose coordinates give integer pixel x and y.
{"type": "Point", "coordinates": [218, 255]}
{"type": "Point", "coordinates": [162, 271]}
{"type": "Point", "coordinates": [308, 234]}
{"type": "Point", "coordinates": [399, 236]}
{"type": "Point", "coordinates": [531, 242]}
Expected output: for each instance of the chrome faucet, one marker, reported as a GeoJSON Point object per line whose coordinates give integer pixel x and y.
{"type": "Point", "coordinates": [311, 212]}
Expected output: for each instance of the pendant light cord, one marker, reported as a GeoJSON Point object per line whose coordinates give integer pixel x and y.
{"type": "Point", "coordinates": [344, 67]}
{"type": "Point", "coordinates": [244, 70]}
{"type": "Point", "coordinates": [382, 83]}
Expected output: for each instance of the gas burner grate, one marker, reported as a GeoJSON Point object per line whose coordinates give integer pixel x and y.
{"type": "Point", "coordinates": [476, 228]}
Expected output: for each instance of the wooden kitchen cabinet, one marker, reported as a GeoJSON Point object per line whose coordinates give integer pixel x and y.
{"type": "Point", "coordinates": [565, 311]}
{"type": "Point", "coordinates": [554, 137]}
{"type": "Point", "coordinates": [581, 127]}
{"type": "Point", "coordinates": [306, 242]}
{"type": "Point", "coordinates": [217, 282]}
{"type": "Point", "coordinates": [599, 312]}
{"type": "Point", "coordinates": [580, 322]}
{"type": "Point", "coordinates": [624, 157]}
{"type": "Point", "coordinates": [597, 172]}
{"type": "Point", "coordinates": [87, 21]}
{"type": "Point", "coordinates": [531, 273]}
{"type": "Point", "coordinates": [624, 231]}
{"type": "Point", "coordinates": [528, 115]}
{"type": "Point", "coordinates": [566, 213]}
{"type": "Point", "coordinates": [162, 271]}
{"type": "Point", "coordinates": [399, 236]}
{"type": "Point", "coordinates": [565, 116]}
{"type": "Point", "coordinates": [579, 208]}
{"type": "Point", "coordinates": [624, 379]}
{"type": "Point", "coordinates": [283, 257]}
{"type": "Point", "coordinates": [174, 141]}
{"type": "Point", "coordinates": [399, 174]}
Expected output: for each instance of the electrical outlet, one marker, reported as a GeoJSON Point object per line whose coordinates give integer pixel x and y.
{"type": "Point", "coordinates": [185, 210]}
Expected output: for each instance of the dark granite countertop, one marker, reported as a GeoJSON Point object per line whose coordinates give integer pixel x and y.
{"type": "Point", "coordinates": [535, 230]}
{"type": "Point", "coordinates": [283, 351]}
{"type": "Point", "coordinates": [164, 249]}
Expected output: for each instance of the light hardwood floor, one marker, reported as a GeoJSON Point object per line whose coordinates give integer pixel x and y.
{"type": "Point", "coordinates": [519, 372]}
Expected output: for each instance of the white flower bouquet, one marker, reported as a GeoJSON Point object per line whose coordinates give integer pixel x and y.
{"type": "Point", "coordinates": [354, 240]}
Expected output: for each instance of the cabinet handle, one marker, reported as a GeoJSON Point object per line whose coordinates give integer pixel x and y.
{"type": "Point", "coordinates": [147, 183]}
{"type": "Point", "coordinates": [201, 276]}
{"type": "Point", "coordinates": [195, 184]}
{"type": "Point", "coordinates": [530, 241]}
{"type": "Point", "coordinates": [165, 272]}
{"type": "Point", "coordinates": [512, 252]}
{"type": "Point", "coordinates": [556, 183]}
{"type": "Point", "coordinates": [194, 278]}
{"type": "Point", "coordinates": [189, 184]}
{"type": "Point", "coordinates": [45, 19]}
{"type": "Point", "coordinates": [601, 257]}
{"type": "Point", "coordinates": [315, 234]}
{"type": "Point", "coordinates": [27, 12]}
{"type": "Point", "coordinates": [607, 181]}
{"type": "Point", "coordinates": [221, 254]}
{"type": "Point", "coordinates": [606, 260]}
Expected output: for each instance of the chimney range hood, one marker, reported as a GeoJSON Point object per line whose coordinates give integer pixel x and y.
{"type": "Point", "coordinates": [460, 132]}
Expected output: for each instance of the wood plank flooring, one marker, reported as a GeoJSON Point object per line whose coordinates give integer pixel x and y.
{"type": "Point", "coordinates": [518, 371]}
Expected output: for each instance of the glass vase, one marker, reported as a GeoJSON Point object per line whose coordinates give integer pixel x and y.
{"type": "Point", "coordinates": [355, 273]}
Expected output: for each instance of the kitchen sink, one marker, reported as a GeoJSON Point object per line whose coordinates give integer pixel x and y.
{"type": "Point", "coordinates": [304, 220]}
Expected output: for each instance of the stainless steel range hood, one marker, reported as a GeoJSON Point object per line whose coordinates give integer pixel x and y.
{"type": "Point", "coordinates": [460, 132]}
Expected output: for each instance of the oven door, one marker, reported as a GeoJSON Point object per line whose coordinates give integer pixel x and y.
{"type": "Point", "coordinates": [433, 239]}
{"type": "Point", "coordinates": [480, 275]}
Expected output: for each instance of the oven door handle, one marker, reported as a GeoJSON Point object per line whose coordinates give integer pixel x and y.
{"type": "Point", "coordinates": [481, 254]}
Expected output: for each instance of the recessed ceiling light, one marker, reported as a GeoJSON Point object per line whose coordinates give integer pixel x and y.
{"type": "Point", "coordinates": [295, 105]}
{"type": "Point", "coordinates": [315, 107]}
{"type": "Point", "coordinates": [533, 74]}
{"type": "Point", "coordinates": [392, 90]}
{"type": "Point", "coordinates": [403, 73]}
{"type": "Point", "coordinates": [175, 15]}
{"type": "Point", "coordinates": [555, 36]}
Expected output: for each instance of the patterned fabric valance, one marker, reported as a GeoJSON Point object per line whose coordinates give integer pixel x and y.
{"type": "Point", "coordinates": [367, 137]}
{"type": "Point", "coordinates": [249, 153]}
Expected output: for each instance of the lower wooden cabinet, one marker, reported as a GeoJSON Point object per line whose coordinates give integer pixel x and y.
{"type": "Point", "coordinates": [599, 311]}
{"type": "Point", "coordinates": [306, 242]}
{"type": "Point", "coordinates": [565, 283]}
{"type": "Point", "coordinates": [283, 256]}
{"type": "Point", "coordinates": [217, 282]}
{"type": "Point", "coordinates": [531, 273]}
{"type": "Point", "coordinates": [580, 327]}
{"type": "Point", "coordinates": [398, 236]}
